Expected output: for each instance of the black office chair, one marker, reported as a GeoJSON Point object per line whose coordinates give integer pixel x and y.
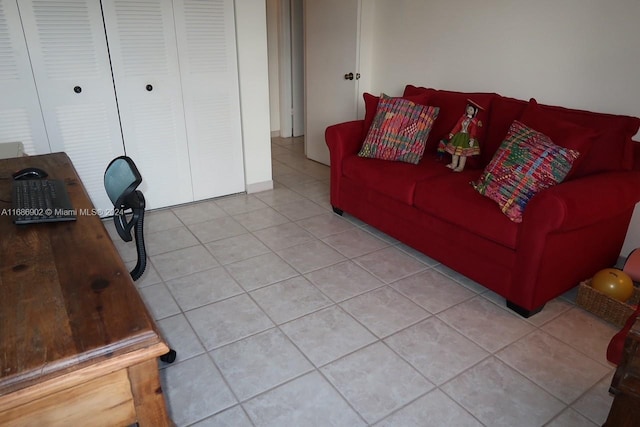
{"type": "Point", "coordinates": [121, 180]}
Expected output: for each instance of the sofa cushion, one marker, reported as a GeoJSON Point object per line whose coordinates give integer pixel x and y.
{"type": "Point", "coordinates": [371, 106]}
{"type": "Point", "coordinates": [452, 106]}
{"type": "Point", "coordinates": [450, 197]}
{"type": "Point", "coordinates": [399, 130]}
{"type": "Point", "coordinates": [526, 163]}
{"type": "Point", "coordinates": [393, 179]}
{"type": "Point", "coordinates": [504, 111]}
{"type": "Point", "coordinates": [411, 90]}
{"type": "Point", "coordinates": [562, 132]}
{"type": "Point", "coordinates": [611, 149]}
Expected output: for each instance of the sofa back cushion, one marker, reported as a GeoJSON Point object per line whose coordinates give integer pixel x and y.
{"type": "Point", "coordinates": [504, 111]}
{"type": "Point", "coordinates": [564, 133]}
{"type": "Point", "coordinates": [452, 105]}
{"type": "Point", "coordinates": [611, 149]}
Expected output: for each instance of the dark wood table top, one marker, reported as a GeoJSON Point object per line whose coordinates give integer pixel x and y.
{"type": "Point", "coordinates": [66, 298]}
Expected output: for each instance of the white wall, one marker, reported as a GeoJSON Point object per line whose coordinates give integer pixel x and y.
{"type": "Point", "coordinates": [253, 73]}
{"type": "Point", "coordinates": [575, 53]}
{"type": "Point", "coordinates": [578, 53]}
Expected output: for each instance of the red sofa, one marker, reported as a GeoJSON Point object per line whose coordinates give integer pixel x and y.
{"type": "Point", "coordinates": [568, 231]}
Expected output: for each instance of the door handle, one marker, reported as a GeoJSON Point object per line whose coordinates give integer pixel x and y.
{"type": "Point", "coordinates": [348, 76]}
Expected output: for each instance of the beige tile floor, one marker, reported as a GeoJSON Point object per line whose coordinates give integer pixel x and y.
{"type": "Point", "coordinates": [285, 314]}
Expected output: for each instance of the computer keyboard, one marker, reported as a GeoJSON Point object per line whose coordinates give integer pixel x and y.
{"type": "Point", "coordinates": [41, 200]}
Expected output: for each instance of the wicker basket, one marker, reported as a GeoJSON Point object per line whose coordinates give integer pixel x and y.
{"type": "Point", "coordinates": [605, 307]}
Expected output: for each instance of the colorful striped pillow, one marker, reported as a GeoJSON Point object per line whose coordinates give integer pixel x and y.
{"type": "Point", "coordinates": [399, 130]}
{"type": "Point", "coordinates": [526, 163]}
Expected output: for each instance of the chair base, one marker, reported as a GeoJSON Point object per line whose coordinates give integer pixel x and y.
{"type": "Point", "coordinates": [169, 357]}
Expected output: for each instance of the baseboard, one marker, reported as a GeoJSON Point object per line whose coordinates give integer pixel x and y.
{"type": "Point", "coordinates": [259, 186]}
{"type": "Point", "coordinates": [275, 133]}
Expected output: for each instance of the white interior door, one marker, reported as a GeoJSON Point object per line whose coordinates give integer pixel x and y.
{"type": "Point", "coordinates": [70, 63]}
{"type": "Point", "coordinates": [297, 67]}
{"type": "Point", "coordinates": [285, 67]}
{"type": "Point", "coordinates": [291, 67]}
{"type": "Point", "coordinates": [20, 115]}
{"type": "Point", "coordinates": [331, 51]}
{"type": "Point", "coordinates": [142, 45]}
{"type": "Point", "coordinates": [206, 39]}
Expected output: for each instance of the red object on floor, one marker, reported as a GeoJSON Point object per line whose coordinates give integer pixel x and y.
{"type": "Point", "coordinates": [616, 345]}
{"type": "Point", "coordinates": [632, 265]}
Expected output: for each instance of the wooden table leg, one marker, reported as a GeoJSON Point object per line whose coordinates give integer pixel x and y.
{"type": "Point", "coordinates": [148, 397]}
{"type": "Point", "coordinates": [624, 412]}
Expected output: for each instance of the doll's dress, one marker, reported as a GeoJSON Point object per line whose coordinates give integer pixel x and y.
{"type": "Point", "coordinates": [459, 144]}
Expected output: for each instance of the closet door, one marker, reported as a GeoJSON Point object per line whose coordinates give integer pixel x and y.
{"type": "Point", "coordinates": [142, 45]}
{"type": "Point", "coordinates": [70, 63]}
{"type": "Point", "coordinates": [20, 114]}
{"type": "Point", "coordinates": [205, 31]}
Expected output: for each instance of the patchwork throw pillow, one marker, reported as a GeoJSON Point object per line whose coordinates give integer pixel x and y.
{"type": "Point", "coordinates": [399, 130]}
{"type": "Point", "coordinates": [526, 163]}
{"type": "Point", "coordinates": [371, 106]}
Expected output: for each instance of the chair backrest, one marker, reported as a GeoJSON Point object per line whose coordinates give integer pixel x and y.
{"type": "Point", "coordinates": [121, 179]}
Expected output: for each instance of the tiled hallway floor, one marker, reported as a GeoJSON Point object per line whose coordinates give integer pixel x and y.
{"type": "Point", "coordinates": [285, 314]}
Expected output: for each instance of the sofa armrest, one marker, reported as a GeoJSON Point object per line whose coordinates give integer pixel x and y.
{"type": "Point", "coordinates": [570, 231]}
{"type": "Point", "coordinates": [343, 139]}
{"type": "Point", "coordinates": [583, 201]}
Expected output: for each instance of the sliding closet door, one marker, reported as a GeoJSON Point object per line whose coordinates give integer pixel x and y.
{"type": "Point", "coordinates": [20, 114]}
{"type": "Point", "coordinates": [142, 45]}
{"type": "Point", "coordinates": [70, 63]}
{"type": "Point", "coordinates": [208, 66]}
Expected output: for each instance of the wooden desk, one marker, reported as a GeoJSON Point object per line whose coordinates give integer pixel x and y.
{"type": "Point", "coordinates": [77, 344]}
{"type": "Point", "coordinates": [625, 409]}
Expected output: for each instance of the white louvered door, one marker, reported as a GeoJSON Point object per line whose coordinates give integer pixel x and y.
{"type": "Point", "coordinates": [209, 73]}
{"type": "Point", "coordinates": [20, 114]}
{"type": "Point", "coordinates": [70, 63]}
{"type": "Point", "coordinates": [155, 78]}
{"type": "Point", "coordinates": [142, 45]}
